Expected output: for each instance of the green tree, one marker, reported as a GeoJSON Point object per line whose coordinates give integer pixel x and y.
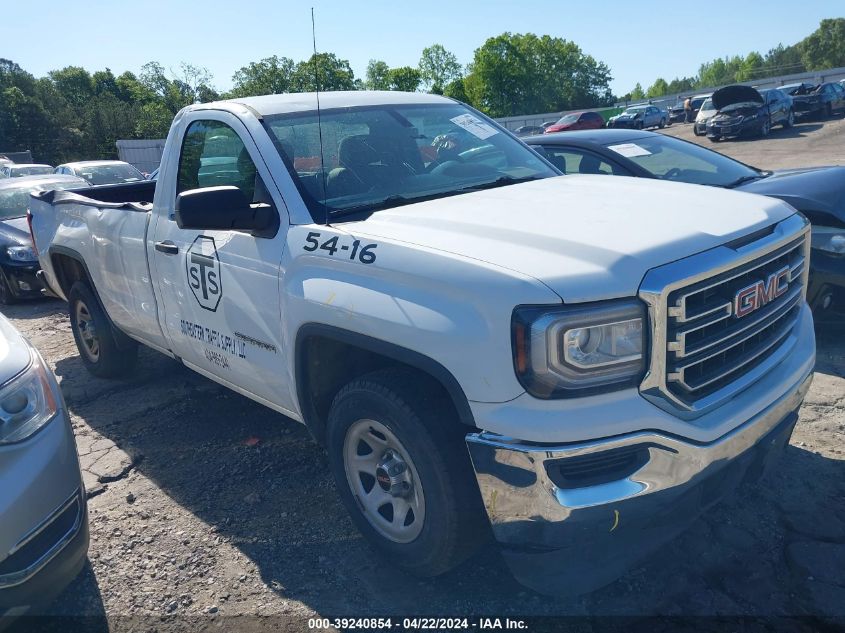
{"type": "Point", "coordinates": [515, 73]}
{"type": "Point", "coordinates": [637, 94]}
{"type": "Point", "coordinates": [330, 72]}
{"type": "Point", "coordinates": [456, 90]}
{"type": "Point", "coordinates": [438, 67]}
{"type": "Point", "coordinates": [658, 88]}
{"type": "Point", "coordinates": [271, 75]}
{"type": "Point", "coordinates": [75, 84]}
{"type": "Point", "coordinates": [404, 78]}
{"type": "Point", "coordinates": [751, 67]}
{"type": "Point", "coordinates": [825, 47]}
{"type": "Point", "coordinates": [684, 84]}
{"type": "Point", "coordinates": [783, 60]}
{"type": "Point", "coordinates": [377, 75]}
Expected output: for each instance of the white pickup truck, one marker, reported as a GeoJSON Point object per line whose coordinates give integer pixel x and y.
{"type": "Point", "coordinates": [583, 364]}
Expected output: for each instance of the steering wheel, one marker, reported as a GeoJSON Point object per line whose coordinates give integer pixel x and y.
{"type": "Point", "coordinates": [672, 174]}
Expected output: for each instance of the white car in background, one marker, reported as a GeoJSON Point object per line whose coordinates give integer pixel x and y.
{"type": "Point", "coordinates": [43, 516]}
{"type": "Point", "coordinates": [706, 112]}
{"type": "Point", "coordinates": [102, 172]}
{"type": "Point", "coordinates": [16, 170]}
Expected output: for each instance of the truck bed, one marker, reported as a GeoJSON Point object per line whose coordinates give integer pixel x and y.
{"type": "Point", "coordinates": [124, 194]}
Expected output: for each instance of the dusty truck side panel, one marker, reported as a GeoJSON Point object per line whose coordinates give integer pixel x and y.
{"type": "Point", "coordinates": [105, 242]}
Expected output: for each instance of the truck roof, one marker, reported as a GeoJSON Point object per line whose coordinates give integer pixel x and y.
{"type": "Point", "coordinates": [307, 101]}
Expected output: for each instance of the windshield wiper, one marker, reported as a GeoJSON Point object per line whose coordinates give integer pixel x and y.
{"type": "Point", "coordinates": [744, 179]}
{"type": "Point", "coordinates": [388, 202]}
{"type": "Point", "coordinates": [397, 200]}
{"type": "Point", "coordinates": [502, 181]}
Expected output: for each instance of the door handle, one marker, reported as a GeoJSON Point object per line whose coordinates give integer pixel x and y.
{"type": "Point", "coordinates": [167, 247]}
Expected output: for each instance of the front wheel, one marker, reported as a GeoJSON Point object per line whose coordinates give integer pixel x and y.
{"type": "Point", "coordinates": [662, 124]}
{"type": "Point", "coordinates": [402, 470]}
{"type": "Point", "coordinates": [95, 338]}
{"type": "Point", "coordinates": [695, 130]}
{"type": "Point", "coordinates": [790, 120]}
{"type": "Point", "coordinates": [765, 128]}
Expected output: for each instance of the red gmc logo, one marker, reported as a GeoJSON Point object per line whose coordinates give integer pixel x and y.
{"type": "Point", "coordinates": [760, 293]}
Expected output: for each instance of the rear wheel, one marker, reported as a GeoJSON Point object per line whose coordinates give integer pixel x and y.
{"type": "Point", "coordinates": [765, 128]}
{"type": "Point", "coordinates": [95, 337]}
{"type": "Point", "coordinates": [402, 470]}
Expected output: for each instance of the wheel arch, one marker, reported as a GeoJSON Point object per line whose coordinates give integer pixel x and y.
{"type": "Point", "coordinates": [315, 342]}
{"type": "Point", "coordinates": [69, 267]}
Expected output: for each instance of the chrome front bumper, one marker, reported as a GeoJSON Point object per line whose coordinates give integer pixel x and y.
{"type": "Point", "coordinates": [573, 517]}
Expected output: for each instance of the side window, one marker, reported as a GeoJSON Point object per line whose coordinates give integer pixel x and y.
{"type": "Point", "coordinates": [214, 155]}
{"type": "Point", "coordinates": [571, 160]}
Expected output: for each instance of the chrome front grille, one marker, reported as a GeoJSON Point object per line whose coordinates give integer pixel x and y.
{"type": "Point", "coordinates": [707, 345]}
{"type": "Point", "coordinates": [722, 318]}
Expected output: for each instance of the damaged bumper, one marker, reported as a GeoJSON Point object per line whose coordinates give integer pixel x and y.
{"type": "Point", "coordinates": [571, 518]}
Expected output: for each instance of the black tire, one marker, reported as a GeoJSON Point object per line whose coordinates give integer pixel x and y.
{"type": "Point", "coordinates": [695, 130]}
{"type": "Point", "coordinates": [714, 139]}
{"type": "Point", "coordinates": [765, 128]}
{"type": "Point", "coordinates": [790, 120]}
{"type": "Point", "coordinates": [639, 125]}
{"type": "Point", "coordinates": [108, 359]}
{"type": "Point", "coordinates": [7, 297]}
{"type": "Point", "coordinates": [662, 124]}
{"type": "Point", "coordinates": [432, 443]}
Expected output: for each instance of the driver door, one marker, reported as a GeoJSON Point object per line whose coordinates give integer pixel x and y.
{"type": "Point", "coordinates": [219, 289]}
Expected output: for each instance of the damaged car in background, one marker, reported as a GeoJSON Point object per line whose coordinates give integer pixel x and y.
{"type": "Point", "coordinates": [744, 111]}
{"type": "Point", "coordinates": [817, 100]}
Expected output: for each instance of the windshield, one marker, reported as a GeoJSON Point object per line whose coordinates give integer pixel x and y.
{"type": "Point", "coordinates": [377, 157]}
{"type": "Point", "coordinates": [669, 158]}
{"type": "Point", "coordinates": [633, 111]}
{"type": "Point", "coordinates": [14, 201]}
{"type": "Point", "coordinates": [707, 106]}
{"type": "Point", "coordinates": [109, 174]}
{"type": "Point", "coordinates": [31, 170]}
{"type": "Point", "coordinates": [569, 118]}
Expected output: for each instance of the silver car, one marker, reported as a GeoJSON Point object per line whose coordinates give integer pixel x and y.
{"type": "Point", "coordinates": [43, 516]}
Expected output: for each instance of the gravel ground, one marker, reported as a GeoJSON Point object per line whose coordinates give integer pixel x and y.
{"type": "Point", "coordinates": [204, 504]}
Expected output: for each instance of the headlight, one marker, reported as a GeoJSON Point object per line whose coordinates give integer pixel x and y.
{"type": "Point", "coordinates": [829, 239]}
{"type": "Point", "coordinates": [568, 351]}
{"type": "Point", "coordinates": [27, 403]}
{"type": "Point", "coordinates": [22, 253]}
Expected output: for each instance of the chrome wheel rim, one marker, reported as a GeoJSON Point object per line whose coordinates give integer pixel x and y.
{"type": "Point", "coordinates": [87, 332]}
{"type": "Point", "coordinates": [384, 481]}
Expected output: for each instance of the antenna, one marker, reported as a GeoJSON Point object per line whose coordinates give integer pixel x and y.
{"type": "Point", "coordinates": [319, 120]}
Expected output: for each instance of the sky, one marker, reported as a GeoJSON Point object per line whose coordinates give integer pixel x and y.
{"type": "Point", "coordinates": [639, 40]}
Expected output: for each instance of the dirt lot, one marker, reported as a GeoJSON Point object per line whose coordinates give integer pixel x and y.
{"type": "Point", "coordinates": [205, 505]}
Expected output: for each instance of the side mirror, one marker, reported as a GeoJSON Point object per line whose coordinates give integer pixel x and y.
{"type": "Point", "coordinates": [225, 208]}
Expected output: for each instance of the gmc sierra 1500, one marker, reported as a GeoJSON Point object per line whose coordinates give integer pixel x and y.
{"type": "Point", "coordinates": [570, 360]}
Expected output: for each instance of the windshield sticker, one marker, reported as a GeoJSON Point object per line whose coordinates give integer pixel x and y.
{"type": "Point", "coordinates": [629, 150]}
{"type": "Point", "coordinates": [475, 126]}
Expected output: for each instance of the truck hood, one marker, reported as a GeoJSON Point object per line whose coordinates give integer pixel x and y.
{"type": "Point", "coordinates": [810, 190]}
{"type": "Point", "coordinates": [585, 237]}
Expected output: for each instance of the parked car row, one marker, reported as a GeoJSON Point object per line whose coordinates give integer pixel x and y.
{"type": "Point", "coordinates": [95, 172]}
{"type": "Point", "coordinates": [818, 192]}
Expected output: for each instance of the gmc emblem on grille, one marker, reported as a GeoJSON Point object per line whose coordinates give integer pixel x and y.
{"type": "Point", "coordinates": [758, 294]}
